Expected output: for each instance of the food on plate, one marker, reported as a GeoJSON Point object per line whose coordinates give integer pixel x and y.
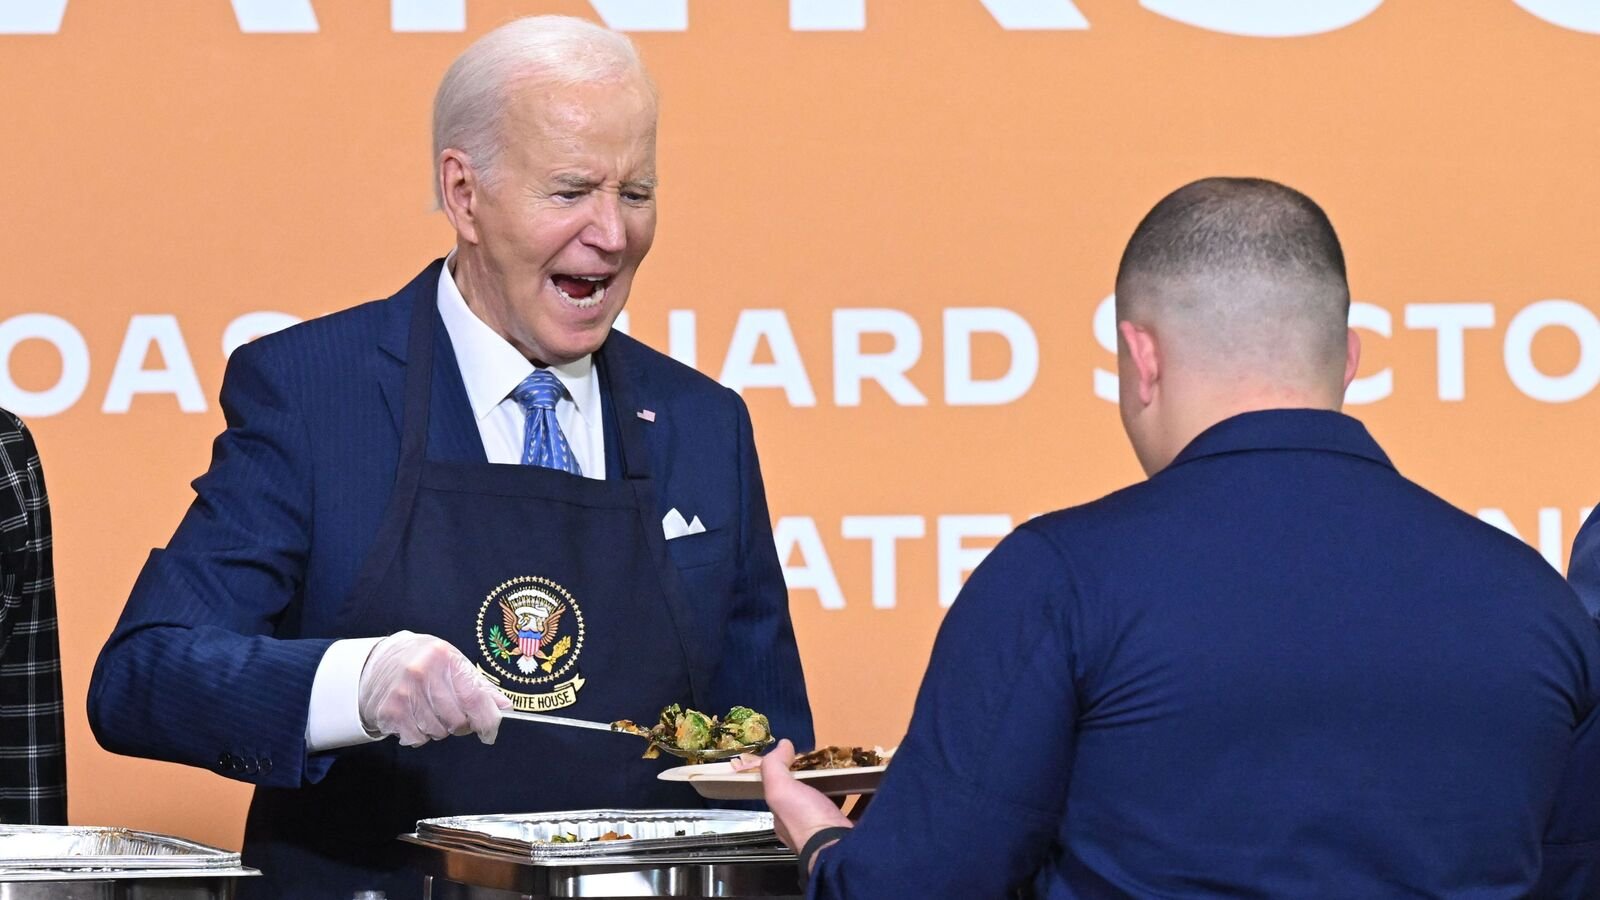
{"type": "Point", "coordinates": [822, 758]}
{"type": "Point", "coordinates": [833, 771]}
{"type": "Point", "coordinates": [840, 758]}
{"type": "Point", "coordinates": [695, 732]}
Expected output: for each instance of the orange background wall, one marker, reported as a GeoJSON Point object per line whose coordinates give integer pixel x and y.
{"type": "Point", "coordinates": [156, 160]}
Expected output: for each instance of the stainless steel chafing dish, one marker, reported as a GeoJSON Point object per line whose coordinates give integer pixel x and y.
{"type": "Point", "coordinates": [672, 853]}
{"type": "Point", "coordinates": [46, 862]}
{"type": "Point", "coordinates": [650, 831]}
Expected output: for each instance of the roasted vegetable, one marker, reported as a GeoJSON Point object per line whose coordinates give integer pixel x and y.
{"type": "Point", "coordinates": [693, 731]}
{"type": "Point", "coordinates": [746, 726]}
{"type": "Point", "coordinates": [670, 716]}
{"type": "Point", "coordinates": [628, 727]}
{"type": "Point", "coordinates": [837, 758]}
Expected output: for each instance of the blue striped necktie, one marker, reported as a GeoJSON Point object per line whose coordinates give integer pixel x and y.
{"type": "Point", "coordinates": [543, 444]}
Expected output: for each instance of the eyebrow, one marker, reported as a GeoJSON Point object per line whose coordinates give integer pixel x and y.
{"type": "Point", "coordinates": [580, 182]}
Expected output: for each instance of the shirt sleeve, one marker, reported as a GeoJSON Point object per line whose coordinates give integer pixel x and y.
{"type": "Point", "coordinates": [973, 801]}
{"type": "Point", "coordinates": [334, 717]}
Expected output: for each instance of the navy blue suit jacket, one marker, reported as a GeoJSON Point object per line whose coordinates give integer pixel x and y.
{"type": "Point", "coordinates": [212, 661]}
{"type": "Point", "coordinates": [1275, 669]}
{"type": "Point", "coordinates": [1576, 824]}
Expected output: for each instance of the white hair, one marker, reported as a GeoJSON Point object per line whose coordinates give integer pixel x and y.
{"type": "Point", "coordinates": [561, 50]}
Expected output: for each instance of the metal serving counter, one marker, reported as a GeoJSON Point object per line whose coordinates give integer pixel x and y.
{"type": "Point", "coordinates": [457, 873]}
{"type": "Point", "coordinates": [61, 862]}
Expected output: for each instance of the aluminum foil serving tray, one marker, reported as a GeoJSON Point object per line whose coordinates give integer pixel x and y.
{"type": "Point", "coordinates": [653, 831]}
{"type": "Point", "coordinates": [26, 848]}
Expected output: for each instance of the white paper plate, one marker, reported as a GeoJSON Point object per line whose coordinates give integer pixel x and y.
{"type": "Point", "coordinates": [718, 781]}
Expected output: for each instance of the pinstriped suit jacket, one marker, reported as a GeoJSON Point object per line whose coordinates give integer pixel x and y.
{"type": "Point", "coordinates": [212, 661]}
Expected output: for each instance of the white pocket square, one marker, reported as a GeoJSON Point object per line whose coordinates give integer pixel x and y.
{"type": "Point", "coordinates": [674, 526]}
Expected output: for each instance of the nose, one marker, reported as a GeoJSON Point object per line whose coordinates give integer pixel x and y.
{"type": "Point", "coordinates": [606, 232]}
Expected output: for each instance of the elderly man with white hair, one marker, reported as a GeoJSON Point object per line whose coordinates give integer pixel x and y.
{"type": "Point", "coordinates": [470, 496]}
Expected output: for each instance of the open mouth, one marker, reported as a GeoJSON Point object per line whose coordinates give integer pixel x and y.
{"type": "Point", "coordinates": [581, 291]}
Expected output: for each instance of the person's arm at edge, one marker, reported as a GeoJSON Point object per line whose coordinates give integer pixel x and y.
{"type": "Point", "coordinates": [18, 545]}
{"type": "Point", "coordinates": [47, 792]}
{"type": "Point", "coordinates": [979, 777]}
{"type": "Point", "coordinates": [1571, 850]}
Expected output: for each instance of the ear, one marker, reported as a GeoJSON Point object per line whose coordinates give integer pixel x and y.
{"type": "Point", "coordinates": [459, 193]}
{"type": "Point", "coordinates": [1145, 357]}
{"type": "Point", "coordinates": [1352, 356]}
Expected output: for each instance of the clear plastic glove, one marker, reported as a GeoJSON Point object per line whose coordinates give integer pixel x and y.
{"type": "Point", "coordinates": [421, 689]}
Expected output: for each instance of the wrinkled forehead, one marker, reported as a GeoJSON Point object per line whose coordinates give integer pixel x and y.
{"type": "Point", "coordinates": [538, 106]}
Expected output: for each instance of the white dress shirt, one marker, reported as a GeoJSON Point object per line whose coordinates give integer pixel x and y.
{"type": "Point", "coordinates": [491, 369]}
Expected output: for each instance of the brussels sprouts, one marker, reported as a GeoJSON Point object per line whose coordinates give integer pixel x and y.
{"type": "Point", "coordinates": [747, 725]}
{"type": "Point", "coordinates": [693, 731]}
{"type": "Point", "coordinates": [669, 717]}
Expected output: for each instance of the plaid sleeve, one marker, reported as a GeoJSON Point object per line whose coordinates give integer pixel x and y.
{"type": "Point", "coordinates": [33, 758]}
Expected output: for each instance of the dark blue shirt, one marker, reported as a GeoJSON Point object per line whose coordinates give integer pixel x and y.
{"type": "Point", "coordinates": [1275, 669]}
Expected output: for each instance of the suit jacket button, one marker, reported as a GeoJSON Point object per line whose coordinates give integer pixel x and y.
{"type": "Point", "coordinates": [251, 767]}
{"type": "Point", "coordinates": [224, 760]}
{"type": "Point", "coordinates": [237, 766]}
{"type": "Point", "coordinates": [266, 764]}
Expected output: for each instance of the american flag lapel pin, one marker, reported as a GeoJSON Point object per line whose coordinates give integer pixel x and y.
{"type": "Point", "coordinates": [649, 415]}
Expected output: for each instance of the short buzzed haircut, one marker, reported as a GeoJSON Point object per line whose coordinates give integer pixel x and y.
{"type": "Point", "coordinates": [1250, 268]}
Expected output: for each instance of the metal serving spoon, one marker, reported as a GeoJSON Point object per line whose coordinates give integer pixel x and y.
{"type": "Point", "coordinates": [693, 756]}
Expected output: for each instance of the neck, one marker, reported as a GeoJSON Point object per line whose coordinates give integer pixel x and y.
{"type": "Point", "coordinates": [472, 280]}
{"type": "Point", "coordinates": [469, 275]}
{"type": "Point", "coordinates": [1193, 412]}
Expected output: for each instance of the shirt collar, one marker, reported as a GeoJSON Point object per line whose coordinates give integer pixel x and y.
{"type": "Point", "coordinates": [490, 367]}
{"type": "Point", "coordinates": [1286, 429]}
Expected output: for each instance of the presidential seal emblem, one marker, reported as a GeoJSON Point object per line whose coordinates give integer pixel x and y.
{"type": "Point", "coordinates": [530, 632]}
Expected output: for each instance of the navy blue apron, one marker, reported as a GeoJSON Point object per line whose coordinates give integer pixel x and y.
{"type": "Point", "coordinates": [559, 588]}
